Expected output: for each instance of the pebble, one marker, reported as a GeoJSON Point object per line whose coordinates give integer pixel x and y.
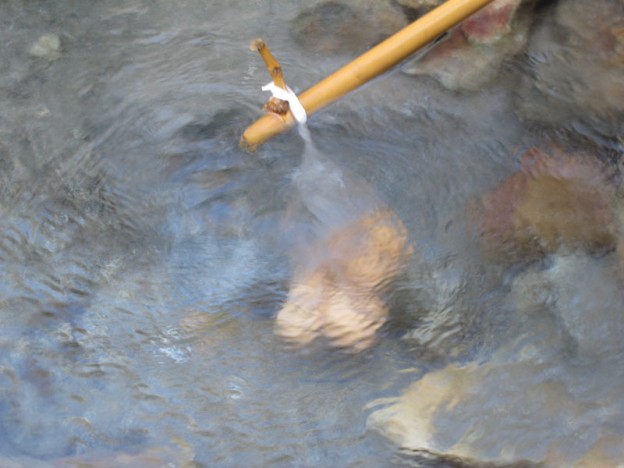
{"type": "Point", "coordinates": [47, 47]}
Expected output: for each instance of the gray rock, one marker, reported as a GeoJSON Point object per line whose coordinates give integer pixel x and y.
{"type": "Point", "coordinates": [576, 59]}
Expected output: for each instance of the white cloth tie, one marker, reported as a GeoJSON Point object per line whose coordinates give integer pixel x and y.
{"type": "Point", "coordinates": [293, 101]}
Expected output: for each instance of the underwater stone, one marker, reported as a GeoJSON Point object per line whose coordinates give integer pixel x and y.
{"type": "Point", "coordinates": [48, 47]}
{"type": "Point", "coordinates": [473, 52]}
{"type": "Point", "coordinates": [498, 412]}
{"type": "Point", "coordinates": [333, 27]}
{"type": "Point", "coordinates": [577, 64]}
{"type": "Point", "coordinates": [556, 200]}
{"type": "Point", "coordinates": [340, 297]}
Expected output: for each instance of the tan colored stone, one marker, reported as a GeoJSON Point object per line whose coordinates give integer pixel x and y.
{"type": "Point", "coordinates": [409, 422]}
{"type": "Point", "coordinates": [339, 298]}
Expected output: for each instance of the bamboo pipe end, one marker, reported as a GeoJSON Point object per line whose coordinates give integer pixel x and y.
{"type": "Point", "coordinates": [264, 128]}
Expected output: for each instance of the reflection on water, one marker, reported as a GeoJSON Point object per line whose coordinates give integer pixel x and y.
{"type": "Point", "coordinates": [144, 256]}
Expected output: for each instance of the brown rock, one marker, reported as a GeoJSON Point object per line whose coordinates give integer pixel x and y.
{"type": "Point", "coordinates": [340, 297]}
{"type": "Point", "coordinates": [600, 24]}
{"type": "Point", "coordinates": [600, 27]}
{"type": "Point", "coordinates": [556, 200]}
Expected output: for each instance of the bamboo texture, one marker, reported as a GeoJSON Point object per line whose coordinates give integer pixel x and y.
{"type": "Point", "coordinates": [367, 66]}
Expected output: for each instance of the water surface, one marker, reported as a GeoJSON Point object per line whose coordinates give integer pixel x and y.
{"type": "Point", "coordinates": [144, 255]}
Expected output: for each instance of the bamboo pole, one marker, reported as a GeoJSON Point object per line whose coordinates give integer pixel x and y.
{"type": "Point", "coordinates": [367, 66]}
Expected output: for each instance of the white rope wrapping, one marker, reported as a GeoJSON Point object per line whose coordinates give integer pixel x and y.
{"type": "Point", "coordinates": [293, 101]}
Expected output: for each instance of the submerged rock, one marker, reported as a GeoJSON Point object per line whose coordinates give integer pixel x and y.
{"type": "Point", "coordinates": [48, 47]}
{"type": "Point", "coordinates": [591, 315]}
{"type": "Point", "coordinates": [339, 296]}
{"type": "Point", "coordinates": [151, 457]}
{"type": "Point", "coordinates": [501, 413]}
{"type": "Point", "coordinates": [333, 27]}
{"type": "Point", "coordinates": [352, 247]}
{"type": "Point", "coordinates": [577, 64]}
{"type": "Point", "coordinates": [556, 200]}
{"type": "Point", "coordinates": [550, 394]}
{"type": "Point", "coordinates": [492, 22]}
{"type": "Point", "coordinates": [473, 52]}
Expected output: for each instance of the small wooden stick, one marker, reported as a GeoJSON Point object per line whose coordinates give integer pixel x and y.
{"type": "Point", "coordinates": [273, 66]}
{"type": "Point", "coordinates": [275, 105]}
